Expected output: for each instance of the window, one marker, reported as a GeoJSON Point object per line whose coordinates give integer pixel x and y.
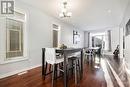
{"type": "Point", "coordinates": [56, 35]}
{"type": "Point", "coordinates": [13, 37]}
{"type": "Point", "coordinates": [14, 44]}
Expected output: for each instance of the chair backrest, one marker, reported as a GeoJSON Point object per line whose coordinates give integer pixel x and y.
{"type": "Point", "coordinates": [50, 55]}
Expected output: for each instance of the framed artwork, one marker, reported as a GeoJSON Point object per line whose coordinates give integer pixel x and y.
{"type": "Point", "coordinates": [76, 37]}
{"type": "Point", "coordinates": [127, 31]}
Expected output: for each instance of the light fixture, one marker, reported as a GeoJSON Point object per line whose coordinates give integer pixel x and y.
{"type": "Point", "coordinates": [64, 10]}
{"type": "Point", "coordinates": [109, 11]}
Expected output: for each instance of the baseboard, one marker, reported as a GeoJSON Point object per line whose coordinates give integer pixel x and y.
{"type": "Point", "coordinates": [106, 74]}
{"type": "Point", "coordinates": [128, 74]}
{"type": "Point", "coordinates": [31, 67]}
{"type": "Point", "coordinates": [120, 83]}
{"type": "Point", "coordinates": [18, 71]}
{"type": "Point", "coordinates": [108, 53]}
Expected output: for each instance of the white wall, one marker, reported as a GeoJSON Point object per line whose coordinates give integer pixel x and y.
{"type": "Point", "coordinates": [114, 38]}
{"type": "Point", "coordinates": [127, 38]}
{"type": "Point", "coordinates": [121, 42]}
{"type": "Point", "coordinates": [86, 39]}
{"type": "Point", "coordinates": [67, 36]}
{"type": "Point", "coordinates": [39, 30]}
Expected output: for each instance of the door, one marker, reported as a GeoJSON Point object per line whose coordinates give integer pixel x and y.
{"type": "Point", "coordinates": [55, 38]}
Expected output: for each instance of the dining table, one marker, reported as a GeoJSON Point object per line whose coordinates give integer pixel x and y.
{"type": "Point", "coordinates": [65, 53]}
{"type": "Point", "coordinates": [93, 48]}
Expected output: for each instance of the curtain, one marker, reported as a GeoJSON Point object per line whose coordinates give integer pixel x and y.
{"type": "Point", "coordinates": [109, 40]}
{"type": "Point", "coordinates": [88, 39]}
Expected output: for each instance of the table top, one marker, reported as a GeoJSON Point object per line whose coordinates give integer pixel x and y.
{"type": "Point", "coordinates": [68, 50]}
{"type": "Point", "coordinates": [93, 48]}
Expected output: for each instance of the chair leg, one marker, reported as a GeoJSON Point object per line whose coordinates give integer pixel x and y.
{"type": "Point", "coordinates": [50, 68]}
{"type": "Point", "coordinates": [79, 72]}
{"type": "Point", "coordinates": [58, 67]}
{"type": "Point", "coordinates": [72, 67]}
{"type": "Point", "coordinates": [75, 66]}
{"type": "Point", "coordinates": [55, 71]}
{"type": "Point", "coordinates": [79, 64]}
{"type": "Point", "coordinates": [53, 75]}
{"type": "Point", "coordinates": [61, 67]}
{"type": "Point", "coordinates": [45, 71]}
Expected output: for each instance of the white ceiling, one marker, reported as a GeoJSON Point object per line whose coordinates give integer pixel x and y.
{"type": "Point", "coordinates": [86, 14]}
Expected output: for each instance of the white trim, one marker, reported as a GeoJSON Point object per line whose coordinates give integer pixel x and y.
{"type": "Point", "coordinates": [108, 53]}
{"type": "Point", "coordinates": [106, 74]}
{"type": "Point", "coordinates": [21, 73]}
{"type": "Point", "coordinates": [18, 71]}
{"type": "Point", "coordinates": [116, 76]}
{"type": "Point", "coordinates": [59, 33]}
{"type": "Point", "coordinates": [15, 59]}
{"type": "Point", "coordinates": [128, 71]}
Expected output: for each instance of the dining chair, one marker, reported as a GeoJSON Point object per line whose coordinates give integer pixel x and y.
{"type": "Point", "coordinates": [52, 58]}
{"type": "Point", "coordinates": [75, 58]}
{"type": "Point", "coordinates": [75, 64]}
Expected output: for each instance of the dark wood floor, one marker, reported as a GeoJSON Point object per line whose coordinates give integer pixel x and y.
{"type": "Point", "coordinates": [91, 78]}
{"type": "Point", "coordinates": [118, 66]}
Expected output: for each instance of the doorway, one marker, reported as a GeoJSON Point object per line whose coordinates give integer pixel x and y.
{"type": "Point", "coordinates": [56, 35]}
{"type": "Point", "coordinates": [98, 41]}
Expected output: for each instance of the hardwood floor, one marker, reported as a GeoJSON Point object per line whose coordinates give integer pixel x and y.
{"type": "Point", "coordinates": [118, 66]}
{"type": "Point", "coordinates": [92, 77]}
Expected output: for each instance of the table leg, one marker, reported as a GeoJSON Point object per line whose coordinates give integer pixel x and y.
{"type": "Point", "coordinates": [65, 71]}
{"type": "Point", "coordinates": [43, 61]}
{"type": "Point", "coordinates": [53, 75]}
{"type": "Point", "coordinates": [81, 64]}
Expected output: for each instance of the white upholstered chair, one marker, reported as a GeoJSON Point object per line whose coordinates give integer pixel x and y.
{"type": "Point", "coordinates": [52, 58]}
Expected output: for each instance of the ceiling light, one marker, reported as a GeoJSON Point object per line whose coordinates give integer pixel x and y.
{"type": "Point", "coordinates": [109, 11]}
{"type": "Point", "coordinates": [69, 14]}
{"type": "Point", "coordinates": [61, 15]}
{"type": "Point", "coordinates": [64, 15]}
{"type": "Point", "coordinates": [64, 10]}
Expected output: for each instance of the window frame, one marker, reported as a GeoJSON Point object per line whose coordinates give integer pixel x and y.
{"type": "Point", "coordinates": [3, 59]}
{"type": "Point", "coordinates": [8, 39]}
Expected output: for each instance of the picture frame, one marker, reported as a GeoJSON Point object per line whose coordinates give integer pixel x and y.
{"type": "Point", "coordinates": [76, 37]}
{"type": "Point", "coordinates": [127, 29]}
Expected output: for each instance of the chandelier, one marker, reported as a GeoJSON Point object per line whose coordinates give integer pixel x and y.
{"type": "Point", "coordinates": [64, 10]}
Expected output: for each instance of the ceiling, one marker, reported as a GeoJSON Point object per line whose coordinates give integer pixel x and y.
{"type": "Point", "coordinates": [86, 14]}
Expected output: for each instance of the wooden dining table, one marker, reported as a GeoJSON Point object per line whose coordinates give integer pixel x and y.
{"type": "Point", "coordinates": [65, 53]}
